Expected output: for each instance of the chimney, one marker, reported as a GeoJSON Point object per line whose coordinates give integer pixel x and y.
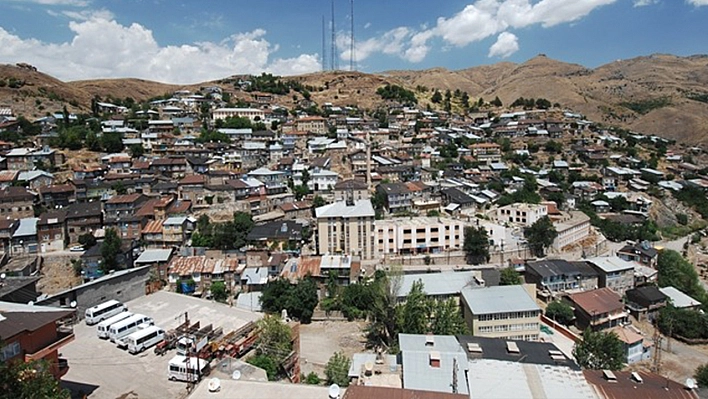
{"type": "Point", "coordinates": [434, 358]}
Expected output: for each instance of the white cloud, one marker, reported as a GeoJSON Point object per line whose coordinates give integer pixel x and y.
{"type": "Point", "coordinates": [367, 25]}
{"type": "Point", "coordinates": [74, 3]}
{"type": "Point", "coordinates": [481, 20]}
{"type": "Point", "coordinates": [698, 3]}
{"type": "Point", "coordinates": [85, 15]}
{"type": "Point", "coordinates": [104, 48]}
{"type": "Point", "coordinates": [506, 45]}
{"type": "Point", "coordinates": [643, 3]}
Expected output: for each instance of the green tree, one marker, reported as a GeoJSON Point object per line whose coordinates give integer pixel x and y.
{"type": "Point", "coordinates": [476, 244]}
{"type": "Point", "coordinates": [274, 338]}
{"type": "Point", "coordinates": [29, 380]}
{"type": "Point", "coordinates": [267, 363]}
{"type": "Point", "coordinates": [599, 351]}
{"type": "Point", "coordinates": [382, 329]}
{"type": "Point", "coordinates": [701, 375]}
{"type": "Point", "coordinates": [496, 102]}
{"type": "Point", "coordinates": [110, 249]}
{"type": "Point", "coordinates": [218, 291]}
{"type": "Point", "coordinates": [447, 318]}
{"type": "Point", "coordinates": [509, 276]}
{"type": "Point", "coordinates": [540, 235]}
{"type": "Point", "coordinates": [318, 201]}
{"type": "Point", "coordinates": [675, 271]}
{"type": "Point", "coordinates": [92, 142]}
{"type": "Point", "coordinates": [436, 97]}
{"type": "Point", "coordinates": [312, 379]}
{"type": "Point", "coordinates": [560, 312]}
{"type": "Point", "coordinates": [112, 142]}
{"type": "Point", "coordinates": [303, 300]}
{"type": "Point", "coordinates": [416, 311]}
{"type": "Point", "coordinates": [274, 296]}
{"type": "Point", "coordinates": [337, 369]}
{"type": "Point", "coordinates": [87, 240]}
{"type": "Point", "coordinates": [136, 150]}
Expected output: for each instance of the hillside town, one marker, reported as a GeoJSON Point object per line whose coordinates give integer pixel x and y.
{"type": "Point", "coordinates": [436, 246]}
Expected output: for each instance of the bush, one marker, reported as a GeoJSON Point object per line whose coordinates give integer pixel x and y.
{"type": "Point", "coordinates": [560, 312]}
{"type": "Point", "coordinates": [337, 369]}
{"type": "Point", "coordinates": [267, 363]}
{"type": "Point", "coordinates": [312, 379]}
{"type": "Point", "coordinates": [701, 376]}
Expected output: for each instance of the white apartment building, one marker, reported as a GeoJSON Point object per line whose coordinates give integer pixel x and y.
{"type": "Point", "coordinates": [347, 228]}
{"type": "Point", "coordinates": [573, 228]}
{"type": "Point", "coordinates": [521, 213]}
{"type": "Point", "coordinates": [418, 235]}
{"type": "Point", "coordinates": [254, 114]}
{"type": "Point", "coordinates": [507, 312]}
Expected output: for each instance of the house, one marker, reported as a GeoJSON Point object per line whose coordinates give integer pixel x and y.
{"type": "Point", "coordinates": [158, 259]}
{"type": "Point", "coordinates": [614, 272]}
{"type": "Point", "coordinates": [83, 218]}
{"type": "Point", "coordinates": [635, 348]}
{"type": "Point", "coordinates": [598, 309]}
{"type": "Point", "coordinates": [322, 180]}
{"type": "Point", "coordinates": [274, 181]}
{"type": "Point", "coordinates": [30, 333]}
{"type": "Point", "coordinates": [120, 214]}
{"type": "Point", "coordinates": [346, 227]}
{"type": "Point", "coordinates": [553, 276]}
{"type": "Point", "coordinates": [430, 363]}
{"type": "Point", "coordinates": [521, 213]}
{"type": "Point", "coordinates": [176, 230]}
{"type": "Point", "coordinates": [191, 188]}
{"type": "Point", "coordinates": [59, 195]}
{"type": "Point", "coordinates": [16, 203]}
{"type": "Point", "coordinates": [455, 200]}
{"type": "Point", "coordinates": [7, 227]}
{"type": "Point", "coordinates": [18, 289]}
{"type": "Point", "coordinates": [636, 384]}
{"type": "Point", "coordinates": [397, 196]}
{"type": "Point", "coordinates": [509, 312]}
{"type": "Point", "coordinates": [204, 271]}
{"type": "Point", "coordinates": [283, 234]}
{"type": "Point", "coordinates": [253, 114]}
{"type": "Point", "coordinates": [486, 152]}
{"type": "Point", "coordinates": [678, 299]}
{"type": "Point", "coordinates": [352, 188]}
{"type": "Point", "coordinates": [35, 179]}
{"type": "Point", "coordinates": [418, 235]}
{"type": "Point", "coordinates": [641, 252]}
{"type": "Point", "coordinates": [51, 231]}
{"type": "Point", "coordinates": [645, 302]}
{"type": "Point", "coordinates": [24, 238]}
{"type": "Point", "coordinates": [296, 210]}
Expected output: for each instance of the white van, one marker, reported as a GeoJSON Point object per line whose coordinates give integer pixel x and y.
{"type": "Point", "coordinates": [190, 369]}
{"type": "Point", "coordinates": [98, 313]}
{"type": "Point", "coordinates": [143, 339]}
{"type": "Point", "coordinates": [102, 328]}
{"type": "Point", "coordinates": [125, 327]}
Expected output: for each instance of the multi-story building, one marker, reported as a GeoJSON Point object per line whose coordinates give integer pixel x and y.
{"type": "Point", "coordinates": [642, 252]}
{"type": "Point", "coordinates": [83, 218]}
{"type": "Point", "coordinates": [573, 228]}
{"type": "Point", "coordinates": [552, 276]}
{"type": "Point", "coordinates": [311, 124]}
{"type": "Point", "coordinates": [123, 206]}
{"type": "Point", "coordinates": [398, 196]}
{"type": "Point", "coordinates": [598, 309]}
{"type": "Point", "coordinates": [614, 272]}
{"type": "Point", "coordinates": [254, 114]}
{"type": "Point", "coordinates": [418, 235]}
{"type": "Point", "coordinates": [486, 152]}
{"type": "Point", "coordinates": [507, 312]}
{"type": "Point", "coordinates": [29, 333]}
{"type": "Point", "coordinates": [347, 228]}
{"type": "Point", "coordinates": [521, 213]}
{"type": "Point", "coordinates": [57, 195]}
{"type": "Point", "coordinates": [353, 188]}
{"type": "Point", "coordinates": [273, 180]}
{"type": "Point", "coordinates": [51, 231]}
{"type": "Point", "coordinates": [16, 203]}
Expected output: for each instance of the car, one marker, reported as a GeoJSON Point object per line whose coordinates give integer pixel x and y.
{"type": "Point", "coordinates": [76, 248]}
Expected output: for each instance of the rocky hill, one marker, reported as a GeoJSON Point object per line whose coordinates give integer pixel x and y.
{"type": "Point", "coordinates": [657, 94]}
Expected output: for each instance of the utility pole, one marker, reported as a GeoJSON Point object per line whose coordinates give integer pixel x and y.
{"type": "Point", "coordinates": [352, 60]}
{"type": "Point", "coordinates": [454, 375]}
{"type": "Point", "coordinates": [324, 46]}
{"type": "Point", "coordinates": [334, 42]}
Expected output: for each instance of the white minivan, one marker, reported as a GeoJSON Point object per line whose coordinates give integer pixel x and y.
{"type": "Point", "coordinates": [98, 313]}
{"type": "Point", "coordinates": [125, 327]}
{"type": "Point", "coordinates": [102, 327]}
{"type": "Point", "coordinates": [143, 339]}
{"type": "Point", "coordinates": [190, 369]}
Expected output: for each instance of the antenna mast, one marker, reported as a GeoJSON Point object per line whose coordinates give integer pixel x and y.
{"type": "Point", "coordinates": [352, 59]}
{"type": "Point", "coordinates": [334, 42]}
{"type": "Point", "coordinates": [324, 45]}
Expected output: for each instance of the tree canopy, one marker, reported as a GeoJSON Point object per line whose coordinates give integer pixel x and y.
{"type": "Point", "coordinates": [509, 276]}
{"type": "Point", "coordinates": [599, 351]}
{"type": "Point", "coordinates": [337, 369]}
{"type": "Point", "coordinates": [560, 312]}
{"type": "Point", "coordinates": [299, 299]}
{"type": "Point", "coordinates": [540, 236]}
{"type": "Point", "coordinates": [476, 244]}
{"type": "Point", "coordinates": [29, 380]}
{"type": "Point", "coordinates": [110, 249]}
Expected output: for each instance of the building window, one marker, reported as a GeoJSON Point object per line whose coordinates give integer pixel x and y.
{"type": "Point", "coordinates": [9, 351]}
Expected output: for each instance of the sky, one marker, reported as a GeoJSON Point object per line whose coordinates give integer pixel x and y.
{"type": "Point", "coordinates": [181, 42]}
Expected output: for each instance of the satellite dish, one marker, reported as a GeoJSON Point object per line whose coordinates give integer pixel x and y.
{"type": "Point", "coordinates": [72, 304]}
{"type": "Point", "coordinates": [31, 303]}
{"type": "Point", "coordinates": [214, 385]}
{"type": "Point", "coordinates": [2, 276]}
{"type": "Point", "coordinates": [236, 375]}
{"type": "Point", "coordinates": [691, 383]}
{"type": "Point", "coordinates": [334, 391]}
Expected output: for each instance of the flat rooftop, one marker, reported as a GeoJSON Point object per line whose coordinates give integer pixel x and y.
{"type": "Point", "coordinates": [250, 389]}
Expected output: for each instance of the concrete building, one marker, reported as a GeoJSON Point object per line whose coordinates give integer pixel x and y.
{"type": "Point", "coordinates": [572, 229]}
{"type": "Point", "coordinates": [637, 384]}
{"type": "Point", "coordinates": [441, 286]}
{"type": "Point", "coordinates": [635, 349]}
{"type": "Point", "coordinates": [614, 273]}
{"type": "Point", "coordinates": [16, 203]}
{"type": "Point", "coordinates": [642, 252]}
{"type": "Point", "coordinates": [432, 363]}
{"type": "Point", "coordinates": [553, 276]}
{"type": "Point", "coordinates": [30, 333]}
{"type": "Point", "coordinates": [678, 299]}
{"type": "Point", "coordinates": [508, 312]}
{"type": "Point", "coordinates": [253, 114]}
{"type": "Point", "coordinates": [397, 195]}
{"type": "Point", "coordinates": [346, 227]}
{"type": "Point", "coordinates": [598, 309]}
{"type": "Point", "coordinates": [311, 124]}
{"type": "Point", "coordinates": [418, 235]}
{"type": "Point", "coordinates": [356, 189]}
{"type": "Point", "coordinates": [521, 213]}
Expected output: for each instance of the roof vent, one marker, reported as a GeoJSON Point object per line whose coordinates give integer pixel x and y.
{"type": "Point", "coordinates": [511, 347]}
{"type": "Point", "coordinates": [609, 375]}
{"type": "Point", "coordinates": [636, 377]}
{"type": "Point", "coordinates": [474, 347]}
{"type": "Point", "coordinates": [434, 357]}
{"type": "Point", "coordinates": [429, 340]}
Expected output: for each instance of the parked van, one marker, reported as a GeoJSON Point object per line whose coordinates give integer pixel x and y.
{"type": "Point", "coordinates": [143, 339]}
{"type": "Point", "coordinates": [125, 327]}
{"type": "Point", "coordinates": [98, 313]}
{"type": "Point", "coordinates": [102, 328]}
{"type": "Point", "coordinates": [189, 369]}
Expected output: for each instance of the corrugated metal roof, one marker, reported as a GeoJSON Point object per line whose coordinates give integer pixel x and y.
{"type": "Point", "coordinates": [509, 298]}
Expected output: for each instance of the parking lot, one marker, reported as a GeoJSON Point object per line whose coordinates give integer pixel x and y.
{"type": "Point", "coordinates": [99, 369]}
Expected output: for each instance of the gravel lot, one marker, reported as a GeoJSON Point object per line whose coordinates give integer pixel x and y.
{"type": "Point", "coordinates": [319, 340]}
{"type": "Point", "coordinates": [101, 370]}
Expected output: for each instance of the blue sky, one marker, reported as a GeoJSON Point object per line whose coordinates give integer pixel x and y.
{"type": "Point", "coordinates": [192, 41]}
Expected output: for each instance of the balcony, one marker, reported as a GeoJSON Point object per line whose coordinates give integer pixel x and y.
{"type": "Point", "coordinates": [65, 334]}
